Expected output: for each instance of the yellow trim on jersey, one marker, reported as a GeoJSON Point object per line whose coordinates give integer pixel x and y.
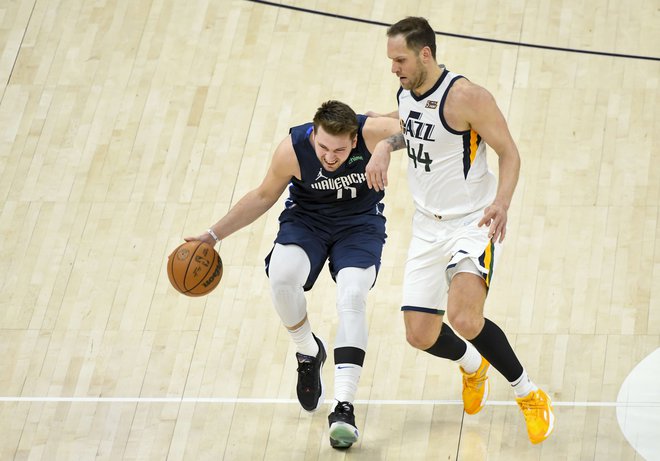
{"type": "Point", "coordinates": [474, 144]}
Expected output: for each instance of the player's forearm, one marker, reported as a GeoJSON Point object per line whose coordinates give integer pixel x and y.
{"type": "Point", "coordinates": [244, 213]}
{"type": "Point", "coordinates": [509, 170]}
{"type": "Point", "coordinates": [395, 142]}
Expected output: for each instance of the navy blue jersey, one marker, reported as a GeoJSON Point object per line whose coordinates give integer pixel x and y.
{"type": "Point", "coordinates": [339, 193]}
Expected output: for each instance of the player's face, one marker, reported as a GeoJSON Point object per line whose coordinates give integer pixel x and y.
{"type": "Point", "coordinates": [332, 150]}
{"type": "Point", "coordinates": [406, 63]}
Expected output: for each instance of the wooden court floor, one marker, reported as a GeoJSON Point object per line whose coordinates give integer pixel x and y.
{"type": "Point", "coordinates": [125, 125]}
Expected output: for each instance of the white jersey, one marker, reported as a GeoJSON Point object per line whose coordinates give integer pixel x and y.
{"type": "Point", "coordinates": [447, 169]}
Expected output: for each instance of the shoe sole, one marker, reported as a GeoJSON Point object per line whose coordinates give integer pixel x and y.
{"type": "Point", "coordinates": [320, 401]}
{"type": "Point", "coordinates": [342, 435]}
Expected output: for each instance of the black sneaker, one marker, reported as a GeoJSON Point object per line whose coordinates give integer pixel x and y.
{"type": "Point", "coordinates": [310, 384]}
{"type": "Point", "coordinates": [343, 432]}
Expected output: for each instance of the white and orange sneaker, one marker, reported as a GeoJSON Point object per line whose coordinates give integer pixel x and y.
{"type": "Point", "coordinates": [537, 409]}
{"type": "Point", "coordinates": [475, 388]}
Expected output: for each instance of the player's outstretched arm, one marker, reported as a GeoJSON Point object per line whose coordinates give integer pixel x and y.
{"type": "Point", "coordinates": [255, 203]}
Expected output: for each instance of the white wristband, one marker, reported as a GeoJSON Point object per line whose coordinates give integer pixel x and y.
{"type": "Point", "coordinates": [212, 234]}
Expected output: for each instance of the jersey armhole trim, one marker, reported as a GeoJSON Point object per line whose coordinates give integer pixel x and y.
{"type": "Point", "coordinates": [441, 109]}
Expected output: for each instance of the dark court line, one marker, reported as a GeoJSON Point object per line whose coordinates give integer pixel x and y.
{"type": "Point", "coordinates": [462, 36]}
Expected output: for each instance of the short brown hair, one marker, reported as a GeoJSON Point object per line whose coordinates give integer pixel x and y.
{"type": "Point", "coordinates": [336, 118]}
{"type": "Point", "coordinates": [417, 33]}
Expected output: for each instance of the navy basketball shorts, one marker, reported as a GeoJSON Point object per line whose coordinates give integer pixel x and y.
{"type": "Point", "coordinates": [353, 241]}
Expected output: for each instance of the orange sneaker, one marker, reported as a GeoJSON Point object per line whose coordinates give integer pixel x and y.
{"type": "Point", "coordinates": [475, 388]}
{"type": "Point", "coordinates": [540, 419]}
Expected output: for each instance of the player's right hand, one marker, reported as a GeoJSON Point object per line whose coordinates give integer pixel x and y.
{"type": "Point", "coordinates": [205, 237]}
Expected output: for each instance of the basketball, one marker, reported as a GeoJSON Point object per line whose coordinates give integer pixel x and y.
{"type": "Point", "coordinates": [194, 268]}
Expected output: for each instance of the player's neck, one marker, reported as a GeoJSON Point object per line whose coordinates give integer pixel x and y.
{"type": "Point", "coordinates": [434, 73]}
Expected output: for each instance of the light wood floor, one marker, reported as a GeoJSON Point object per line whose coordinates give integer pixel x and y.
{"type": "Point", "coordinates": [125, 125]}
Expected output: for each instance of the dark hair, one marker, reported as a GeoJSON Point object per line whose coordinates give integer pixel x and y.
{"type": "Point", "coordinates": [417, 33]}
{"type": "Point", "coordinates": [336, 118]}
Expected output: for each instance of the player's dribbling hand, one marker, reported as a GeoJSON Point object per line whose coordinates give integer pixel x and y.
{"type": "Point", "coordinates": [205, 237]}
{"type": "Point", "coordinates": [495, 217]}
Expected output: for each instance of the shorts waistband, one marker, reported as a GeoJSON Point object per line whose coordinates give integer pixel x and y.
{"type": "Point", "coordinates": [445, 217]}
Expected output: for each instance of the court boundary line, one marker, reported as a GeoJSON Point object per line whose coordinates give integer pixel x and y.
{"type": "Point", "coordinates": [461, 36]}
{"type": "Point", "coordinates": [241, 400]}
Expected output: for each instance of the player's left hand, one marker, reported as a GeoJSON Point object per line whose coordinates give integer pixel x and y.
{"type": "Point", "coordinates": [495, 217]}
{"type": "Point", "coordinates": [376, 169]}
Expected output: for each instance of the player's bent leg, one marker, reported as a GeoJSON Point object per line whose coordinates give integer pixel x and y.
{"type": "Point", "coordinates": [420, 328]}
{"type": "Point", "coordinates": [465, 309]}
{"type": "Point", "coordinates": [289, 268]}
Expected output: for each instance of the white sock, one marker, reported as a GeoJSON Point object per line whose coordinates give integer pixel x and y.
{"type": "Point", "coordinates": [305, 342]}
{"type": "Point", "coordinates": [471, 360]}
{"type": "Point", "coordinates": [523, 385]}
{"type": "Point", "coordinates": [347, 376]}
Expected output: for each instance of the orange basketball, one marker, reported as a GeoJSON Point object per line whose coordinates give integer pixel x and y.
{"type": "Point", "coordinates": [194, 268]}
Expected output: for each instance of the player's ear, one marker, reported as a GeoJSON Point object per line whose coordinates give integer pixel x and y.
{"type": "Point", "coordinates": [425, 53]}
{"type": "Point", "coordinates": [354, 143]}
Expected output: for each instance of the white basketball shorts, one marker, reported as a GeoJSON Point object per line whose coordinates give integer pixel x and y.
{"type": "Point", "coordinates": [439, 249]}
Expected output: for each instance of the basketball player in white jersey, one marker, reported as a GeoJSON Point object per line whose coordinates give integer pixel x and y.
{"type": "Point", "coordinates": [460, 218]}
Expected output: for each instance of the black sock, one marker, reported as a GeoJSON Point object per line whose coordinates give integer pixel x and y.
{"type": "Point", "coordinates": [448, 345]}
{"type": "Point", "coordinates": [492, 344]}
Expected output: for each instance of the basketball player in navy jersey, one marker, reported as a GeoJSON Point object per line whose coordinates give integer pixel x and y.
{"type": "Point", "coordinates": [460, 218]}
{"type": "Point", "coordinates": [330, 214]}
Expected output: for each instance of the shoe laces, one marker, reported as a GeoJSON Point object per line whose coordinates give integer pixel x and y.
{"type": "Point", "coordinates": [533, 407]}
{"type": "Point", "coordinates": [306, 373]}
{"type": "Point", "coordinates": [475, 380]}
{"type": "Point", "coordinates": [343, 407]}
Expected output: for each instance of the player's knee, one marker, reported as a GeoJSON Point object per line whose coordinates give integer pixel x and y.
{"type": "Point", "coordinates": [419, 339]}
{"type": "Point", "coordinates": [284, 290]}
{"type": "Point", "coordinates": [466, 324]}
{"type": "Point", "coordinates": [351, 299]}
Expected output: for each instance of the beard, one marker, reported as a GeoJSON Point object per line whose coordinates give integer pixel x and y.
{"type": "Point", "coordinates": [418, 79]}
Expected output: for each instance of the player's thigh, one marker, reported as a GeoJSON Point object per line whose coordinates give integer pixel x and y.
{"type": "Point", "coordinates": [465, 304]}
{"type": "Point", "coordinates": [359, 246]}
{"type": "Point", "coordinates": [424, 282]}
{"type": "Point", "coordinates": [472, 242]}
{"type": "Point", "coordinates": [314, 244]}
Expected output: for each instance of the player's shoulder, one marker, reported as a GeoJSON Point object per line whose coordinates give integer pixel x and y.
{"type": "Point", "coordinates": [285, 153]}
{"type": "Point", "coordinates": [284, 162]}
{"type": "Point", "coordinates": [463, 92]}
